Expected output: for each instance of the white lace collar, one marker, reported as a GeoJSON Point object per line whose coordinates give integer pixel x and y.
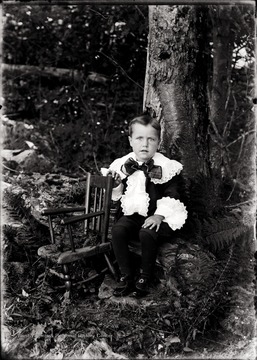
{"type": "Point", "coordinates": [170, 168]}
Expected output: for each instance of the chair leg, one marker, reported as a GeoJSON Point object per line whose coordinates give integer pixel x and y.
{"type": "Point", "coordinates": [67, 278]}
{"type": "Point", "coordinates": [110, 266]}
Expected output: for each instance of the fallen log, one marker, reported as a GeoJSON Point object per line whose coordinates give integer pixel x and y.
{"type": "Point", "coordinates": [44, 70]}
{"type": "Point", "coordinates": [73, 74]}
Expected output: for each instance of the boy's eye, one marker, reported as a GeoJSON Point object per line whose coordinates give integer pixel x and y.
{"type": "Point", "coordinates": [140, 138]}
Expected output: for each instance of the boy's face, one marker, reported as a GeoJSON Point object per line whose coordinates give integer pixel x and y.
{"type": "Point", "coordinates": [144, 141]}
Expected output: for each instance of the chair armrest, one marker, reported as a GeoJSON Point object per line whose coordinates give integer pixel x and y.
{"type": "Point", "coordinates": [57, 211]}
{"type": "Point", "coordinates": [74, 219]}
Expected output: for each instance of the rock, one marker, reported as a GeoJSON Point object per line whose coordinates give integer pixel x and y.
{"type": "Point", "coordinates": [106, 292]}
{"type": "Point", "coordinates": [25, 157]}
{"type": "Point", "coordinates": [37, 163]}
{"type": "Point", "coordinates": [8, 155]}
{"type": "Point", "coordinates": [27, 160]}
{"type": "Point", "coordinates": [182, 266]}
{"type": "Point", "coordinates": [15, 132]}
{"type": "Point", "coordinates": [18, 156]}
{"type": "Point", "coordinates": [106, 289]}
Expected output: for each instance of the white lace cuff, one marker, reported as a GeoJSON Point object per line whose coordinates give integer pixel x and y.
{"type": "Point", "coordinates": [174, 212]}
{"type": "Point", "coordinates": [117, 192]}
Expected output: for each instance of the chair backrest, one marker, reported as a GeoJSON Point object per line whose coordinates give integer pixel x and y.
{"type": "Point", "coordinates": [98, 198]}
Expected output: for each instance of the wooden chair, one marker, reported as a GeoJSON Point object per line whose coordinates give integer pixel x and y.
{"type": "Point", "coordinates": [93, 220]}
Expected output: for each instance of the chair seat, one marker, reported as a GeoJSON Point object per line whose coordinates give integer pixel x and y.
{"type": "Point", "coordinates": [64, 257]}
{"type": "Point", "coordinates": [51, 251]}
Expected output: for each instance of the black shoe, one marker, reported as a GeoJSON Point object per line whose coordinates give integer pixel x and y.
{"type": "Point", "coordinates": [125, 286]}
{"type": "Point", "coordinates": [141, 287]}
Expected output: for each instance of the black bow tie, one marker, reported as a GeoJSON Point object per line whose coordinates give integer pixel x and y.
{"type": "Point", "coordinates": [150, 170]}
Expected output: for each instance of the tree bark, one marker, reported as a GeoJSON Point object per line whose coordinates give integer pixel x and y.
{"type": "Point", "coordinates": [176, 83]}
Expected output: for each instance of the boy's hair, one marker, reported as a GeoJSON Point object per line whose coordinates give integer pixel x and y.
{"type": "Point", "coordinates": [145, 120]}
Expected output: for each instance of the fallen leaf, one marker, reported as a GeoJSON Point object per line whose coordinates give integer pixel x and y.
{"type": "Point", "coordinates": [24, 293]}
{"type": "Point", "coordinates": [61, 337]}
{"type": "Point", "coordinates": [172, 340]}
{"type": "Point", "coordinates": [167, 322]}
{"type": "Point", "coordinates": [35, 351]}
{"type": "Point", "coordinates": [38, 330]}
{"type": "Point", "coordinates": [55, 322]}
{"type": "Point", "coordinates": [187, 349]}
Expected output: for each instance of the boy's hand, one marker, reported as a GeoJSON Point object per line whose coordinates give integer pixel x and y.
{"type": "Point", "coordinates": [153, 221]}
{"type": "Point", "coordinates": [116, 177]}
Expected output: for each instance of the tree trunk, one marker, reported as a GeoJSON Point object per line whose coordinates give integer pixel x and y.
{"type": "Point", "coordinates": [209, 126]}
{"type": "Point", "coordinates": [176, 83]}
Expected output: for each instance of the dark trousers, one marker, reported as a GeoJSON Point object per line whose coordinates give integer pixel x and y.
{"type": "Point", "coordinates": [129, 228]}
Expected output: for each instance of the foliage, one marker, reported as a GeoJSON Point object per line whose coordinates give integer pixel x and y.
{"type": "Point", "coordinates": [220, 233]}
{"type": "Point", "coordinates": [211, 224]}
{"type": "Point", "coordinates": [83, 119]}
{"type": "Point", "coordinates": [171, 324]}
{"type": "Point", "coordinates": [232, 124]}
{"type": "Point", "coordinates": [116, 29]}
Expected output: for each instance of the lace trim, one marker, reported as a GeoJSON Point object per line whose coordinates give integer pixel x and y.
{"type": "Point", "coordinates": [135, 198]}
{"type": "Point", "coordinates": [169, 170]}
{"type": "Point", "coordinates": [173, 210]}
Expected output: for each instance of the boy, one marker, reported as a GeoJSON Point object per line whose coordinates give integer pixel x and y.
{"type": "Point", "coordinates": [146, 187]}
